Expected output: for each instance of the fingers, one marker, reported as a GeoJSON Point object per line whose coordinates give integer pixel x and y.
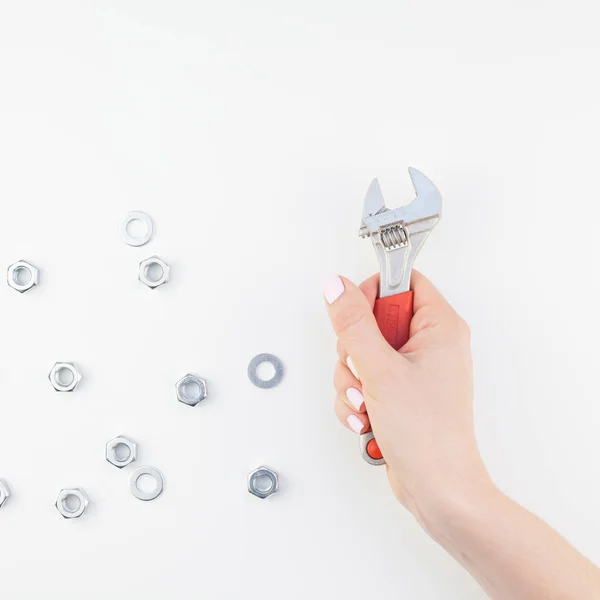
{"type": "Point", "coordinates": [345, 358]}
{"type": "Point", "coordinates": [357, 422]}
{"type": "Point", "coordinates": [348, 388]}
{"type": "Point", "coordinates": [349, 402]}
{"type": "Point", "coordinates": [351, 314]}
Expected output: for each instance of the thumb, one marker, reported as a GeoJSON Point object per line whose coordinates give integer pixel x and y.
{"type": "Point", "coordinates": [351, 314]}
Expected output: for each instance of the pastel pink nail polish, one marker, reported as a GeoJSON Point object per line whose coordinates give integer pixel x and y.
{"type": "Point", "coordinates": [333, 288]}
{"type": "Point", "coordinates": [355, 423]}
{"type": "Point", "coordinates": [355, 398]}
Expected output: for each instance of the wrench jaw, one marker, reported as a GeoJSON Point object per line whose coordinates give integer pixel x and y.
{"type": "Point", "coordinates": [398, 235]}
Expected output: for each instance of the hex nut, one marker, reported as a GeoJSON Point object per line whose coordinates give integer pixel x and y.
{"type": "Point", "coordinates": [260, 491]}
{"type": "Point", "coordinates": [183, 395]}
{"type": "Point", "coordinates": [4, 492]}
{"type": "Point", "coordinates": [65, 510]}
{"type": "Point", "coordinates": [12, 276]}
{"type": "Point", "coordinates": [143, 273]}
{"type": "Point", "coordinates": [113, 457]}
{"type": "Point", "coordinates": [55, 379]}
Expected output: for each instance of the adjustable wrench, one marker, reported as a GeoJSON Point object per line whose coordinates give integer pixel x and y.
{"type": "Point", "coordinates": [397, 237]}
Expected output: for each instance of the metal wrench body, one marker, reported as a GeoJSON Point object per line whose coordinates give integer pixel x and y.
{"type": "Point", "coordinates": [397, 235]}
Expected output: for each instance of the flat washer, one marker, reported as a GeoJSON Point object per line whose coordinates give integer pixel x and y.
{"type": "Point", "coordinates": [137, 215]}
{"type": "Point", "coordinates": [156, 475]}
{"type": "Point", "coordinates": [269, 383]}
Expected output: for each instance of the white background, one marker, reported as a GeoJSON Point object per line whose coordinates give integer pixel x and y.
{"type": "Point", "coordinates": [250, 132]}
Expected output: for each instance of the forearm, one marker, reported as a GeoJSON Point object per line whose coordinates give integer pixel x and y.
{"type": "Point", "coordinates": [419, 403]}
{"type": "Point", "coordinates": [512, 553]}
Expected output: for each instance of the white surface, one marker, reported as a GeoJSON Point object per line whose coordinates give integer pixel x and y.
{"type": "Point", "coordinates": [250, 132]}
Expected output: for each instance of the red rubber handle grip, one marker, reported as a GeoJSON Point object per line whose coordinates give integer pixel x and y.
{"type": "Point", "coordinates": [393, 315]}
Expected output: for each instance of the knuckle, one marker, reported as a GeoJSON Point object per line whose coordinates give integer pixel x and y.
{"type": "Point", "coordinates": [337, 374]}
{"type": "Point", "coordinates": [463, 329]}
{"type": "Point", "coordinates": [348, 320]}
{"type": "Point", "coordinates": [342, 378]}
{"type": "Point", "coordinates": [338, 407]}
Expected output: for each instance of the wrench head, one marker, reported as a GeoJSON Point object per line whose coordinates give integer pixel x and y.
{"type": "Point", "coordinates": [425, 209]}
{"type": "Point", "coordinates": [399, 234]}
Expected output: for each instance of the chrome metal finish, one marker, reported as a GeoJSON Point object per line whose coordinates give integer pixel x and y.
{"type": "Point", "coordinates": [146, 265]}
{"type": "Point", "coordinates": [256, 476]}
{"type": "Point", "coordinates": [394, 237]}
{"type": "Point", "coordinates": [112, 454]}
{"type": "Point", "coordinates": [13, 276]}
{"type": "Point", "coordinates": [62, 503]}
{"type": "Point", "coordinates": [183, 394]}
{"type": "Point", "coordinates": [155, 474]}
{"type": "Point", "coordinates": [399, 234]}
{"type": "Point", "coordinates": [137, 215]}
{"type": "Point", "coordinates": [55, 378]}
{"type": "Point", "coordinates": [4, 492]}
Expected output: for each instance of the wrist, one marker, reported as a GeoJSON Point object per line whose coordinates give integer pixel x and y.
{"type": "Point", "coordinates": [451, 508]}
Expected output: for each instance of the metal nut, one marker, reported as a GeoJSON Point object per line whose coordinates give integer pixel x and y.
{"type": "Point", "coordinates": [16, 270]}
{"type": "Point", "coordinates": [58, 383]}
{"type": "Point", "coordinates": [79, 499]}
{"type": "Point", "coordinates": [157, 263]}
{"type": "Point", "coordinates": [257, 479]}
{"type": "Point", "coordinates": [183, 393]}
{"type": "Point", "coordinates": [114, 457]}
{"type": "Point", "coordinates": [4, 492]}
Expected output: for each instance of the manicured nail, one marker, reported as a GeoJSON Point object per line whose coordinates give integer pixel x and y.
{"type": "Point", "coordinates": [355, 398]}
{"type": "Point", "coordinates": [352, 368]}
{"type": "Point", "coordinates": [333, 288]}
{"type": "Point", "coordinates": [355, 423]}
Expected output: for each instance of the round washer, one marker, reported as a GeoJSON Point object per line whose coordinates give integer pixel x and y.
{"type": "Point", "coordinates": [137, 215]}
{"type": "Point", "coordinates": [156, 475]}
{"type": "Point", "coordinates": [269, 383]}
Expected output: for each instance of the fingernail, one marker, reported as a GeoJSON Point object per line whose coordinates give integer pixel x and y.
{"type": "Point", "coordinates": [355, 423]}
{"type": "Point", "coordinates": [333, 288]}
{"type": "Point", "coordinates": [355, 398]}
{"type": "Point", "coordinates": [352, 368]}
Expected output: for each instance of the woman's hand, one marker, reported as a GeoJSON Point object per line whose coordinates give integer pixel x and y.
{"type": "Point", "coordinates": [418, 401]}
